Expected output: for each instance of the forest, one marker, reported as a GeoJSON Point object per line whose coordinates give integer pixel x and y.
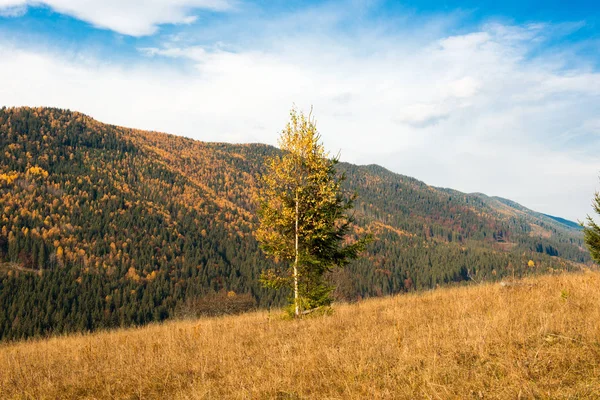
{"type": "Point", "coordinates": [105, 226]}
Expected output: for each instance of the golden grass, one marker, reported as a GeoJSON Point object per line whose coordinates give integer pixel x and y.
{"type": "Point", "coordinates": [540, 339]}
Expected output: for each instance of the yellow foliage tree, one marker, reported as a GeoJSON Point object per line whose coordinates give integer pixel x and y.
{"type": "Point", "coordinates": [303, 216]}
{"type": "Point", "coordinates": [60, 255]}
{"type": "Point", "coordinates": [37, 171]}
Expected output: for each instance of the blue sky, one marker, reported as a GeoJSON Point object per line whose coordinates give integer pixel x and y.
{"type": "Point", "coordinates": [481, 96]}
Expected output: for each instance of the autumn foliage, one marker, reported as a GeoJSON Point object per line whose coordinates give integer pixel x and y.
{"type": "Point", "coordinates": [104, 226]}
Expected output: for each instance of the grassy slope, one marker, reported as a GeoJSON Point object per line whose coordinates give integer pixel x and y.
{"type": "Point", "coordinates": [539, 339]}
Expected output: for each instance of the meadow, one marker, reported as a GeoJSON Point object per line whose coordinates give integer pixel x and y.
{"type": "Point", "coordinates": [536, 338]}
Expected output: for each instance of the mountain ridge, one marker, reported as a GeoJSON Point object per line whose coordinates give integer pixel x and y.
{"type": "Point", "coordinates": [561, 220]}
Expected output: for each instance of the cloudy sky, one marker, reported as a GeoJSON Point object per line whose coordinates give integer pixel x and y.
{"type": "Point", "coordinates": [495, 97]}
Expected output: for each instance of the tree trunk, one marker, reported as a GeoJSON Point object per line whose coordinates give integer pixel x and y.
{"type": "Point", "coordinates": [297, 311]}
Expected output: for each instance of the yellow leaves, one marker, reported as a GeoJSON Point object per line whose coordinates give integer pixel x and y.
{"type": "Point", "coordinates": [379, 226]}
{"type": "Point", "coordinates": [132, 275]}
{"type": "Point", "coordinates": [302, 201]}
{"type": "Point", "coordinates": [24, 212]}
{"type": "Point", "coordinates": [9, 178]}
{"type": "Point", "coordinates": [151, 276]}
{"type": "Point", "coordinates": [60, 254]}
{"type": "Point", "coordinates": [37, 171]}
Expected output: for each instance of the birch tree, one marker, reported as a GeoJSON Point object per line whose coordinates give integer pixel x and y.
{"type": "Point", "coordinates": [304, 216]}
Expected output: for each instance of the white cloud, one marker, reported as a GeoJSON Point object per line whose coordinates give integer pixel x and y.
{"type": "Point", "coordinates": [129, 17]}
{"type": "Point", "coordinates": [464, 87]}
{"type": "Point", "coordinates": [422, 115]}
{"type": "Point", "coordinates": [471, 112]}
{"type": "Point", "coordinates": [195, 53]}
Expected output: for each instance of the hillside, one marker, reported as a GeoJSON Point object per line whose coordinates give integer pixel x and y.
{"type": "Point", "coordinates": [537, 339]}
{"type": "Point", "coordinates": [104, 226]}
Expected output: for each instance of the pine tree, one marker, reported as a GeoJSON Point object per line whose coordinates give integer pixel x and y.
{"type": "Point", "coordinates": [591, 232]}
{"type": "Point", "coordinates": [304, 216]}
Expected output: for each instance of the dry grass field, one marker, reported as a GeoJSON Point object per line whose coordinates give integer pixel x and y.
{"type": "Point", "coordinates": [539, 339]}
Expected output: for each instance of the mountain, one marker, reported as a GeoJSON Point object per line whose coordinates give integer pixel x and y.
{"type": "Point", "coordinates": [106, 226]}
{"type": "Point", "coordinates": [566, 222]}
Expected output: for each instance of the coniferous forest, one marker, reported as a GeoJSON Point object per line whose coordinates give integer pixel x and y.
{"type": "Point", "coordinates": [103, 226]}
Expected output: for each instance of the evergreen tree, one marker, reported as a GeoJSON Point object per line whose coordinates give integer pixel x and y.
{"type": "Point", "coordinates": [591, 232]}
{"type": "Point", "coordinates": [304, 216]}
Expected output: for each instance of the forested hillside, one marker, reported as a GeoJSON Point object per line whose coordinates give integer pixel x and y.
{"type": "Point", "coordinates": [103, 226]}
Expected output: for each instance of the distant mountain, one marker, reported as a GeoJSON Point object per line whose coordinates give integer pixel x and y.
{"type": "Point", "coordinates": [106, 226]}
{"type": "Point", "coordinates": [540, 217]}
{"type": "Point", "coordinates": [566, 222]}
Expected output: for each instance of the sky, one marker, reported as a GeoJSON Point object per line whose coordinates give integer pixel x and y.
{"type": "Point", "coordinates": [497, 97]}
